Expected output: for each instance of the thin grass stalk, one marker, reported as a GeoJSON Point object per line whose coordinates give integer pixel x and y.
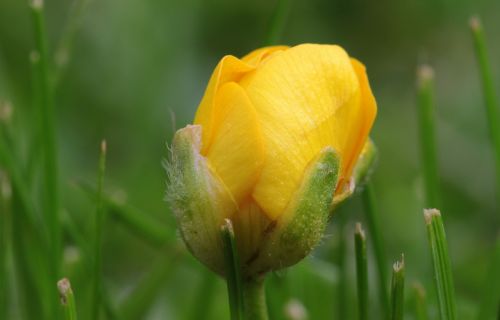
{"type": "Point", "coordinates": [371, 215]}
{"type": "Point", "coordinates": [442, 267]}
{"type": "Point", "coordinates": [342, 288]}
{"type": "Point", "coordinates": [47, 134]}
{"type": "Point", "coordinates": [5, 195]}
{"type": "Point", "coordinates": [361, 271]}
{"type": "Point", "coordinates": [64, 47]}
{"type": "Point", "coordinates": [420, 303]}
{"type": "Point", "coordinates": [79, 239]}
{"type": "Point", "coordinates": [98, 224]}
{"type": "Point", "coordinates": [428, 148]}
{"type": "Point", "coordinates": [232, 272]}
{"type": "Point", "coordinates": [397, 290]}
{"type": "Point", "coordinates": [67, 299]}
{"type": "Point", "coordinates": [278, 22]}
{"type": "Point", "coordinates": [489, 93]}
{"type": "Point", "coordinates": [136, 221]}
{"type": "Point", "coordinates": [490, 302]}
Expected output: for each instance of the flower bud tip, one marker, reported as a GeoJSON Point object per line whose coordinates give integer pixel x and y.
{"type": "Point", "coordinates": [103, 146]}
{"type": "Point", "coordinates": [359, 230]}
{"type": "Point", "coordinates": [37, 4]}
{"type": "Point", "coordinates": [475, 23]}
{"type": "Point", "coordinates": [64, 287]}
{"type": "Point", "coordinates": [5, 111]}
{"type": "Point", "coordinates": [34, 57]}
{"type": "Point", "coordinates": [294, 310]}
{"type": "Point", "coordinates": [431, 213]}
{"type": "Point", "coordinates": [425, 73]}
{"type": "Point", "coordinates": [399, 265]}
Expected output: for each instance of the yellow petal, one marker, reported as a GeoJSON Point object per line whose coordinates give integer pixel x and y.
{"type": "Point", "coordinates": [229, 69]}
{"type": "Point", "coordinates": [237, 152]}
{"type": "Point", "coordinates": [306, 99]}
{"type": "Point", "coordinates": [366, 116]}
{"type": "Point", "coordinates": [257, 56]}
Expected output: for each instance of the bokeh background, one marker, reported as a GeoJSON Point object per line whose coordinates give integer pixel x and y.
{"type": "Point", "coordinates": [133, 71]}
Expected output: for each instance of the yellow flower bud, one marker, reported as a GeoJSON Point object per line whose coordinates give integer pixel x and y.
{"type": "Point", "coordinates": [277, 135]}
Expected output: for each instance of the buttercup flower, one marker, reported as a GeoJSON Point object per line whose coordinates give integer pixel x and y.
{"type": "Point", "coordinates": [275, 140]}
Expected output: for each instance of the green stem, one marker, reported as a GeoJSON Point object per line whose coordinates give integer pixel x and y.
{"type": "Point", "coordinates": [398, 286]}
{"type": "Point", "coordinates": [361, 271]}
{"type": "Point", "coordinates": [426, 112]}
{"type": "Point", "coordinates": [48, 139]}
{"type": "Point", "coordinates": [232, 271]}
{"type": "Point", "coordinates": [371, 215]}
{"type": "Point", "coordinates": [490, 98]}
{"type": "Point", "coordinates": [98, 222]}
{"type": "Point", "coordinates": [67, 299]}
{"type": "Point", "coordinates": [254, 297]}
{"type": "Point", "coordinates": [442, 266]}
{"type": "Point", "coordinates": [420, 303]}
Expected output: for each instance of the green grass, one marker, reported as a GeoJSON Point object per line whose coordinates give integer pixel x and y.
{"type": "Point", "coordinates": [397, 290]}
{"type": "Point", "coordinates": [361, 271]}
{"type": "Point", "coordinates": [427, 124]}
{"type": "Point", "coordinates": [443, 275]}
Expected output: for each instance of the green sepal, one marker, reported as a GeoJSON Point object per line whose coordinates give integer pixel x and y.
{"type": "Point", "coordinates": [361, 173]}
{"type": "Point", "coordinates": [199, 200]}
{"type": "Point", "coordinates": [293, 236]}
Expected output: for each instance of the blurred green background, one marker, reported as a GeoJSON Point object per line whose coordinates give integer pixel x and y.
{"type": "Point", "coordinates": [131, 65]}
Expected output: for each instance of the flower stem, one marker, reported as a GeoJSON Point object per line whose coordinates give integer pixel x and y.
{"type": "Point", "coordinates": [442, 266]}
{"type": "Point", "coordinates": [426, 112]}
{"type": "Point", "coordinates": [361, 271]}
{"type": "Point", "coordinates": [372, 214]}
{"type": "Point", "coordinates": [232, 271]}
{"type": "Point", "coordinates": [254, 298]}
{"type": "Point", "coordinates": [398, 286]}
{"type": "Point", "coordinates": [490, 98]}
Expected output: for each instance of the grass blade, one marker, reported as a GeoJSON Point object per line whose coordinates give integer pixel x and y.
{"type": "Point", "coordinates": [67, 299]}
{"type": "Point", "coordinates": [47, 134]}
{"type": "Point", "coordinates": [490, 98]}
{"type": "Point", "coordinates": [398, 287]}
{"type": "Point", "coordinates": [98, 223]}
{"type": "Point", "coordinates": [490, 304]}
{"type": "Point", "coordinates": [426, 112]}
{"type": "Point", "coordinates": [232, 272]}
{"type": "Point", "coordinates": [5, 195]}
{"type": "Point", "coordinates": [361, 271]}
{"type": "Point", "coordinates": [371, 215]}
{"type": "Point", "coordinates": [420, 303]}
{"type": "Point", "coordinates": [442, 266]}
